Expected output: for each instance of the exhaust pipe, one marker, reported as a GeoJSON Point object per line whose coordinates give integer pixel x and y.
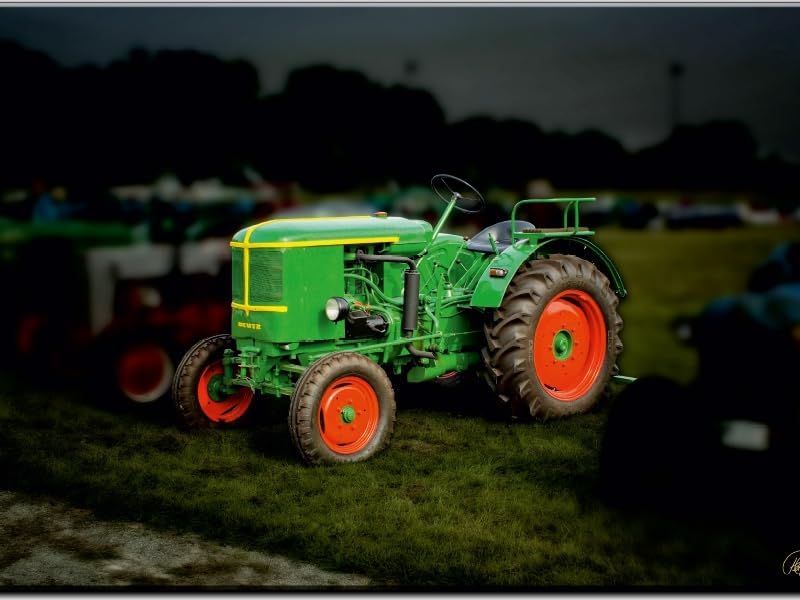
{"type": "Point", "coordinates": [410, 296]}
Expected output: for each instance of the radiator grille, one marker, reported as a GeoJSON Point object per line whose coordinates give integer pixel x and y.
{"type": "Point", "coordinates": [237, 282]}
{"type": "Point", "coordinates": [266, 276]}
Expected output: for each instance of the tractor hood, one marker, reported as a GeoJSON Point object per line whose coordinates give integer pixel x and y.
{"type": "Point", "coordinates": [402, 234]}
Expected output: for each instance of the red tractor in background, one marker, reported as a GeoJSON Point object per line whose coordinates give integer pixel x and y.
{"type": "Point", "coordinates": [119, 302]}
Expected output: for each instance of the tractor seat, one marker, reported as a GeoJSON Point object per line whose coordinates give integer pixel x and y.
{"type": "Point", "coordinates": [501, 232]}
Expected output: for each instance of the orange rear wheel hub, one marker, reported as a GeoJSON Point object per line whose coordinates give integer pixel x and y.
{"type": "Point", "coordinates": [569, 345]}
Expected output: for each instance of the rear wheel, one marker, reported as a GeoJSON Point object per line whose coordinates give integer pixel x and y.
{"type": "Point", "coordinates": [197, 387]}
{"type": "Point", "coordinates": [553, 343]}
{"type": "Point", "coordinates": [342, 410]}
{"type": "Point", "coordinates": [450, 380]}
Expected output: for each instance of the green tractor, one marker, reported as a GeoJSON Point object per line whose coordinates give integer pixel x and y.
{"type": "Point", "coordinates": [325, 310]}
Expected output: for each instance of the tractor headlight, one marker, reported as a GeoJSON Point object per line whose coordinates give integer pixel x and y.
{"type": "Point", "coordinates": [336, 308]}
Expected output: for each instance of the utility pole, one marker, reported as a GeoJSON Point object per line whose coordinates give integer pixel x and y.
{"type": "Point", "coordinates": [410, 69]}
{"type": "Point", "coordinates": [676, 71]}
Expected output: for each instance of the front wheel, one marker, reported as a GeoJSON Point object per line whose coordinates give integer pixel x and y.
{"type": "Point", "coordinates": [144, 371]}
{"type": "Point", "coordinates": [133, 368]}
{"type": "Point", "coordinates": [552, 344]}
{"type": "Point", "coordinates": [342, 410]}
{"type": "Point", "coordinates": [197, 387]}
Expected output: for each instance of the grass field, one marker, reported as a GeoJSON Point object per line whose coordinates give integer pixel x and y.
{"type": "Point", "coordinates": [670, 273]}
{"type": "Point", "coordinates": [458, 500]}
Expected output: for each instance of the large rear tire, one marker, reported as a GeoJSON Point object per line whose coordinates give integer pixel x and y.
{"type": "Point", "coordinates": [342, 410]}
{"type": "Point", "coordinates": [195, 389]}
{"type": "Point", "coordinates": [553, 343]}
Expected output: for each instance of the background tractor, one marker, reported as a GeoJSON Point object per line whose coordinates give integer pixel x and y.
{"type": "Point", "coordinates": [130, 295]}
{"type": "Point", "coordinates": [325, 310]}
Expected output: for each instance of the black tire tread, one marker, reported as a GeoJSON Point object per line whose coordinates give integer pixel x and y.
{"type": "Point", "coordinates": [309, 388]}
{"type": "Point", "coordinates": [184, 384]}
{"type": "Point", "coordinates": [507, 355]}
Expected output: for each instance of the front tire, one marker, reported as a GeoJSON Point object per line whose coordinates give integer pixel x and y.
{"type": "Point", "coordinates": [133, 368]}
{"type": "Point", "coordinates": [553, 343]}
{"type": "Point", "coordinates": [144, 372]}
{"type": "Point", "coordinates": [198, 401]}
{"type": "Point", "coordinates": [342, 410]}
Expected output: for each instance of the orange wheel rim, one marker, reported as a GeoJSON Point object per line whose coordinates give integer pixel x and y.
{"type": "Point", "coordinates": [348, 414]}
{"type": "Point", "coordinates": [144, 372]}
{"type": "Point", "coordinates": [225, 408]}
{"type": "Point", "coordinates": [569, 345]}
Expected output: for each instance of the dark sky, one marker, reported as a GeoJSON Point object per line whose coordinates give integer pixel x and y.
{"type": "Point", "coordinates": [564, 68]}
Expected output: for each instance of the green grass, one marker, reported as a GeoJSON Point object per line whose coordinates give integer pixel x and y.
{"type": "Point", "coordinates": [458, 500]}
{"type": "Point", "coordinates": [671, 273]}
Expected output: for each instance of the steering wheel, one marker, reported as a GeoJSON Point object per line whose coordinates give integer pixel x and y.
{"type": "Point", "coordinates": [447, 187]}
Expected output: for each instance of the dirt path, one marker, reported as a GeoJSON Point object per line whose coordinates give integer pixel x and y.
{"type": "Point", "coordinates": [49, 543]}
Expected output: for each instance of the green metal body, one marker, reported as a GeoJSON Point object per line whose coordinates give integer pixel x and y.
{"type": "Point", "coordinates": [284, 271]}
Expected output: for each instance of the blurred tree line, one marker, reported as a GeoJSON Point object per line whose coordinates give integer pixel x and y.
{"type": "Point", "coordinates": [330, 129]}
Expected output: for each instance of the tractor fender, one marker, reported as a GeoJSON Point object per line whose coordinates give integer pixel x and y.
{"type": "Point", "coordinates": [489, 290]}
{"type": "Point", "coordinates": [583, 247]}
